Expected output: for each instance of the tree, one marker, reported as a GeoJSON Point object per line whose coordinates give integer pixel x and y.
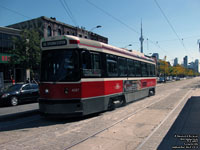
{"type": "Point", "coordinates": [171, 70]}
{"type": "Point", "coordinates": [163, 68]}
{"type": "Point", "coordinates": [27, 51]}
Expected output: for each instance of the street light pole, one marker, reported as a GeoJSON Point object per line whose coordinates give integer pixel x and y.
{"type": "Point", "coordinates": [98, 26]}
{"type": "Point", "coordinates": [128, 45]}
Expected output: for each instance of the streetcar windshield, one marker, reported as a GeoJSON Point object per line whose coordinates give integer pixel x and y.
{"type": "Point", "coordinates": [60, 66]}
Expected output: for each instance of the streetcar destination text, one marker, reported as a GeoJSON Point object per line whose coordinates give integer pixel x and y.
{"type": "Point", "coordinates": [54, 43]}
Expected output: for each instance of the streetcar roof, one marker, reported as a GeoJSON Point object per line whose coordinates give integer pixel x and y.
{"type": "Point", "coordinates": [69, 41]}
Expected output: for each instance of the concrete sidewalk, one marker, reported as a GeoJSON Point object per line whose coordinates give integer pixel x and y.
{"type": "Point", "coordinates": [185, 132]}
{"type": "Point", "coordinates": [180, 131]}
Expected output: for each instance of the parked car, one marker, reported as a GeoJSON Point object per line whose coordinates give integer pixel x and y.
{"type": "Point", "coordinates": [161, 80]}
{"type": "Point", "coordinates": [169, 78]}
{"type": "Point", "coordinates": [176, 78]}
{"type": "Point", "coordinates": [19, 93]}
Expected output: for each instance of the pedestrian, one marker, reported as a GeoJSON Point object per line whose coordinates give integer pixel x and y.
{"type": "Point", "coordinates": [13, 80]}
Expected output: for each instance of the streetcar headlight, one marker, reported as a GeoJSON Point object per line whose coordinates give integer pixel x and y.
{"type": "Point", "coordinates": [46, 91]}
{"type": "Point", "coordinates": [66, 91]}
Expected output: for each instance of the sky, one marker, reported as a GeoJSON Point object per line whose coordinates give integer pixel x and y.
{"type": "Point", "coordinates": [170, 27]}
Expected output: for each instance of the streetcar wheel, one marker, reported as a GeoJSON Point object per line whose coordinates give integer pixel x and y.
{"type": "Point", "coordinates": [151, 92]}
{"type": "Point", "coordinates": [111, 105]}
{"type": "Point", "coordinates": [123, 101]}
{"type": "Point", "coordinates": [14, 101]}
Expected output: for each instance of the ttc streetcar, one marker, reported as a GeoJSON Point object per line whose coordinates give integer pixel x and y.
{"type": "Point", "coordinates": [81, 76]}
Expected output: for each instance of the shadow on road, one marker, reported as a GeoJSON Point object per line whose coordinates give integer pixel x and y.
{"type": "Point", "coordinates": [185, 132]}
{"type": "Point", "coordinates": [39, 121]}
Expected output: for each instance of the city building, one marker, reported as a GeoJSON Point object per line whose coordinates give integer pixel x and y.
{"type": "Point", "coordinates": [51, 27]}
{"type": "Point", "coordinates": [191, 65]}
{"type": "Point", "coordinates": [176, 61]}
{"type": "Point", "coordinates": [196, 65]}
{"type": "Point", "coordinates": [7, 73]}
{"type": "Point", "coordinates": [185, 61]}
{"type": "Point", "coordinates": [46, 27]}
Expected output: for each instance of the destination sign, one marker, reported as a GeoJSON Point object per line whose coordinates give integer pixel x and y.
{"type": "Point", "coordinates": [54, 43]}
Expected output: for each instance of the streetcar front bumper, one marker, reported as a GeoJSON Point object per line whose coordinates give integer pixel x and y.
{"type": "Point", "coordinates": [68, 108]}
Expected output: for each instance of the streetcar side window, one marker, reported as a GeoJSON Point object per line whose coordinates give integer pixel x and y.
{"type": "Point", "coordinates": [95, 61]}
{"type": "Point", "coordinates": [144, 69]}
{"type": "Point", "coordinates": [131, 68]}
{"type": "Point", "coordinates": [153, 71]}
{"type": "Point", "coordinates": [91, 64]}
{"type": "Point", "coordinates": [138, 69]}
{"type": "Point", "coordinates": [149, 70]}
{"type": "Point", "coordinates": [112, 69]}
{"type": "Point", "coordinates": [122, 70]}
{"type": "Point", "coordinates": [86, 60]}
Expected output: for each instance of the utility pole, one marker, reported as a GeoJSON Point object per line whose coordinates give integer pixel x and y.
{"type": "Point", "coordinates": [141, 39]}
{"type": "Point", "coordinates": [165, 69]}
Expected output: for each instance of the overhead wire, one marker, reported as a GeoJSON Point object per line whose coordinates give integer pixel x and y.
{"type": "Point", "coordinates": [113, 17]}
{"type": "Point", "coordinates": [14, 11]}
{"type": "Point", "coordinates": [184, 38]}
{"type": "Point", "coordinates": [123, 23]}
{"type": "Point", "coordinates": [191, 37]}
{"type": "Point", "coordinates": [170, 24]}
{"type": "Point", "coordinates": [181, 40]}
{"type": "Point", "coordinates": [68, 13]}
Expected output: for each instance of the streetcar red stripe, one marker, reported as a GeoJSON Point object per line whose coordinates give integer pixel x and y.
{"type": "Point", "coordinates": [93, 89]}
{"type": "Point", "coordinates": [87, 89]}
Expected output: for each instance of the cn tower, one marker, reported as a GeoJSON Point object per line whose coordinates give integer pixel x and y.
{"type": "Point", "coordinates": [141, 40]}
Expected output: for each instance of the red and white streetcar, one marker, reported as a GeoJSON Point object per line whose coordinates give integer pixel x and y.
{"type": "Point", "coordinates": [81, 76]}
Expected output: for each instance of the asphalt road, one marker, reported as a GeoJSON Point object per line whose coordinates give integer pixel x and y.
{"type": "Point", "coordinates": [13, 112]}
{"type": "Point", "coordinates": [155, 122]}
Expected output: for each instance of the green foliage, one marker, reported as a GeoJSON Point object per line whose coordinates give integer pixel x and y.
{"type": "Point", "coordinates": [164, 68]}
{"type": "Point", "coordinates": [27, 50]}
